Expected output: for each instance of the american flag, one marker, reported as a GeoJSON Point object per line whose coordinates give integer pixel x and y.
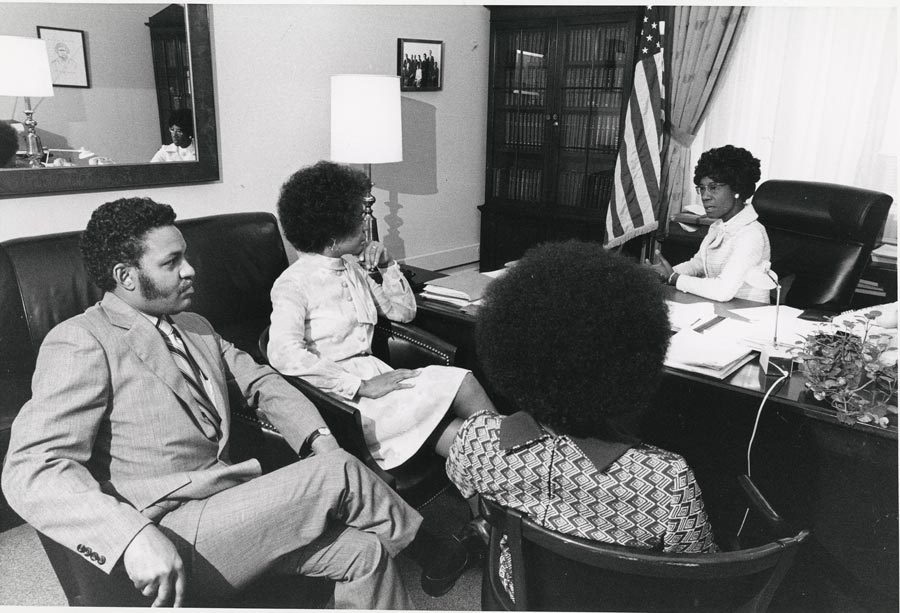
{"type": "Point", "coordinates": [635, 201]}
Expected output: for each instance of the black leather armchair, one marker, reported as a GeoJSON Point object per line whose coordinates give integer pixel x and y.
{"type": "Point", "coordinates": [43, 282]}
{"type": "Point", "coordinates": [822, 235]}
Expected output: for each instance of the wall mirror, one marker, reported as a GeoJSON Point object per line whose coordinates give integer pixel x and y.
{"type": "Point", "coordinates": [122, 114]}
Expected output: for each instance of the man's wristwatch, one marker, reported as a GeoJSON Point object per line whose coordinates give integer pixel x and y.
{"type": "Point", "coordinates": [306, 448]}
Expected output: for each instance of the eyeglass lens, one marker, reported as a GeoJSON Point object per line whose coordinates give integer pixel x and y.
{"type": "Point", "coordinates": [710, 188]}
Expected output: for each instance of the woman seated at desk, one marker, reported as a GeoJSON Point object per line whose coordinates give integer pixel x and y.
{"type": "Point", "coordinates": [324, 310]}
{"type": "Point", "coordinates": [575, 337]}
{"type": "Point", "coordinates": [736, 242]}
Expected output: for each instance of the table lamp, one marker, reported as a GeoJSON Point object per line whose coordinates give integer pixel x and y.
{"type": "Point", "coordinates": [25, 71]}
{"type": "Point", "coordinates": [366, 128]}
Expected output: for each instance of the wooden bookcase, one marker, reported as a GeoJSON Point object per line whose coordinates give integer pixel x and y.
{"type": "Point", "coordinates": [560, 79]}
{"type": "Point", "coordinates": [171, 64]}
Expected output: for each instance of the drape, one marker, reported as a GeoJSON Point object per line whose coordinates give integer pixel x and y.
{"type": "Point", "coordinates": [814, 93]}
{"type": "Point", "coordinates": [702, 42]}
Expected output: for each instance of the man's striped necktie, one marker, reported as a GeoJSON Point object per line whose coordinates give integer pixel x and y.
{"type": "Point", "coordinates": [210, 421]}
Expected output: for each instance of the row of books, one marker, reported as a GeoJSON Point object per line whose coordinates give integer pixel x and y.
{"type": "Point", "coordinates": [590, 131]}
{"type": "Point", "coordinates": [592, 98]}
{"type": "Point", "coordinates": [590, 191]}
{"type": "Point", "coordinates": [517, 183]}
{"type": "Point", "coordinates": [524, 129]}
{"type": "Point", "coordinates": [527, 77]}
{"type": "Point", "coordinates": [523, 97]}
{"type": "Point", "coordinates": [611, 76]}
{"type": "Point", "coordinates": [522, 45]}
{"type": "Point", "coordinates": [596, 43]}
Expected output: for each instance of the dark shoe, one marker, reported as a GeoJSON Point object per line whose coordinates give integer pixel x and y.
{"type": "Point", "coordinates": [476, 534]}
{"type": "Point", "coordinates": [444, 567]}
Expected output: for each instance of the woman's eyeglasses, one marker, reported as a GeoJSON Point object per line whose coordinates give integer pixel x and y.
{"type": "Point", "coordinates": [709, 188]}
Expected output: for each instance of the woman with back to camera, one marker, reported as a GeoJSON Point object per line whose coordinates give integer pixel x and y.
{"type": "Point", "coordinates": [181, 129]}
{"type": "Point", "coordinates": [736, 243]}
{"type": "Point", "coordinates": [589, 331]}
{"type": "Point", "coordinates": [324, 310]}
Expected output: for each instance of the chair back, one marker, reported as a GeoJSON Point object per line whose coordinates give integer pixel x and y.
{"type": "Point", "coordinates": [822, 236]}
{"type": "Point", "coordinates": [554, 571]}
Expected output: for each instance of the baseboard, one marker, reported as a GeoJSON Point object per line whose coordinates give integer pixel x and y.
{"type": "Point", "coordinates": [442, 260]}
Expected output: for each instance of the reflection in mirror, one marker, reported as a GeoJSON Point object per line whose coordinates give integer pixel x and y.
{"type": "Point", "coordinates": [145, 61]}
{"type": "Point", "coordinates": [136, 55]}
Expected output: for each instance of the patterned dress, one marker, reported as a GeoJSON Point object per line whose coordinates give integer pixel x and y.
{"type": "Point", "coordinates": [324, 312]}
{"type": "Point", "coordinates": [729, 251]}
{"type": "Point", "coordinates": [639, 496]}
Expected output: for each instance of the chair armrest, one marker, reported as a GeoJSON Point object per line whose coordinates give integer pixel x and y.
{"type": "Point", "coordinates": [344, 421]}
{"type": "Point", "coordinates": [408, 346]}
{"type": "Point", "coordinates": [776, 524]}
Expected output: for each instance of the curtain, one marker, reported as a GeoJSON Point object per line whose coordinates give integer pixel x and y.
{"type": "Point", "coordinates": [813, 94]}
{"type": "Point", "coordinates": [702, 41]}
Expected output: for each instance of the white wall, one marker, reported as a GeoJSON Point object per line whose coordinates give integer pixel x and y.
{"type": "Point", "coordinates": [273, 64]}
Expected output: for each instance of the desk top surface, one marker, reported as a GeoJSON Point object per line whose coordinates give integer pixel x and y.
{"type": "Point", "coordinates": [749, 379]}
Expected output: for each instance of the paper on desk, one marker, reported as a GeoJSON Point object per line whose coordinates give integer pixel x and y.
{"type": "Point", "coordinates": [767, 313]}
{"type": "Point", "coordinates": [689, 315]}
{"type": "Point", "coordinates": [756, 334]}
{"type": "Point", "coordinates": [705, 354]}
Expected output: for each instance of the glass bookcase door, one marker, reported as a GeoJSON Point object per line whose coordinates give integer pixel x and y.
{"type": "Point", "coordinates": [593, 73]}
{"type": "Point", "coordinates": [521, 117]}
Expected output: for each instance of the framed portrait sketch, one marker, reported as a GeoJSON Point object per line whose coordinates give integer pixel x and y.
{"type": "Point", "coordinates": [67, 55]}
{"type": "Point", "coordinates": [420, 64]}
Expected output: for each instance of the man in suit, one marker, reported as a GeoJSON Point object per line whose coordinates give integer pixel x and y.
{"type": "Point", "coordinates": [122, 452]}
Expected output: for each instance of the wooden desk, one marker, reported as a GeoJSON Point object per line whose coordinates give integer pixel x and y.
{"type": "Point", "coordinates": [838, 480]}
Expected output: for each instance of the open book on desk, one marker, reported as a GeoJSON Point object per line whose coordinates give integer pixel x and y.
{"type": "Point", "coordinates": [706, 355]}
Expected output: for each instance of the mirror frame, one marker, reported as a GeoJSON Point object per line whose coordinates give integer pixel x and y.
{"type": "Point", "coordinates": [38, 181]}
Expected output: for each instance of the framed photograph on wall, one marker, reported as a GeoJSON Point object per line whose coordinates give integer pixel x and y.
{"type": "Point", "coordinates": [67, 55]}
{"type": "Point", "coordinates": [420, 64]}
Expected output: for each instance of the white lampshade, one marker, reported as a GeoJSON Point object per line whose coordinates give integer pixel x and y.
{"type": "Point", "coordinates": [365, 119]}
{"type": "Point", "coordinates": [24, 67]}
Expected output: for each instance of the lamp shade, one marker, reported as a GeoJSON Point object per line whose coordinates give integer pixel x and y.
{"type": "Point", "coordinates": [365, 119]}
{"type": "Point", "coordinates": [24, 67]}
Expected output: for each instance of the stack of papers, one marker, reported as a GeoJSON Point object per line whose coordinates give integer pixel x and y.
{"type": "Point", "coordinates": [461, 289]}
{"type": "Point", "coordinates": [706, 355]}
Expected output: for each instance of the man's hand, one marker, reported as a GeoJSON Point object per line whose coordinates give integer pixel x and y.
{"type": "Point", "coordinates": [383, 384]}
{"type": "Point", "coordinates": [155, 568]}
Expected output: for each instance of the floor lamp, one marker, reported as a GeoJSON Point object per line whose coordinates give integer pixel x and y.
{"type": "Point", "coordinates": [25, 71]}
{"type": "Point", "coordinates": [366, 128]}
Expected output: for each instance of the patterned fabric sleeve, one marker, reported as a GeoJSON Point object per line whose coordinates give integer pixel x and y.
{"type": "Point", "coordinates": [688, 529]}
{"type": "Point", "coordinates": [459, 461]}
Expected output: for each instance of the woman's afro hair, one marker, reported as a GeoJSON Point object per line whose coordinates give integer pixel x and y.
{"type": "Point", "coordinates": [320, 204]}
{"type": "Point", "coordinates": [576, 336]}
{"type": "Point", "coordinates": [731, 165]}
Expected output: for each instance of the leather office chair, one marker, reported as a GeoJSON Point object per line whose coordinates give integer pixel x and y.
{"type": "Point", "coordinates": [402, 346]}
{"type": "Point", "coordinates": [553, 571]}
{"type": "Point", "coordinates": [822, 235]}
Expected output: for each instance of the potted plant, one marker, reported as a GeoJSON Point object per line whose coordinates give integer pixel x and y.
{"type": "Point", "coordinates": [845, 364]}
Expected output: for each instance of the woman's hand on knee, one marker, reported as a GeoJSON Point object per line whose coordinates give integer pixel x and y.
{"type": "Point", "coordinates": [383, 384]}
